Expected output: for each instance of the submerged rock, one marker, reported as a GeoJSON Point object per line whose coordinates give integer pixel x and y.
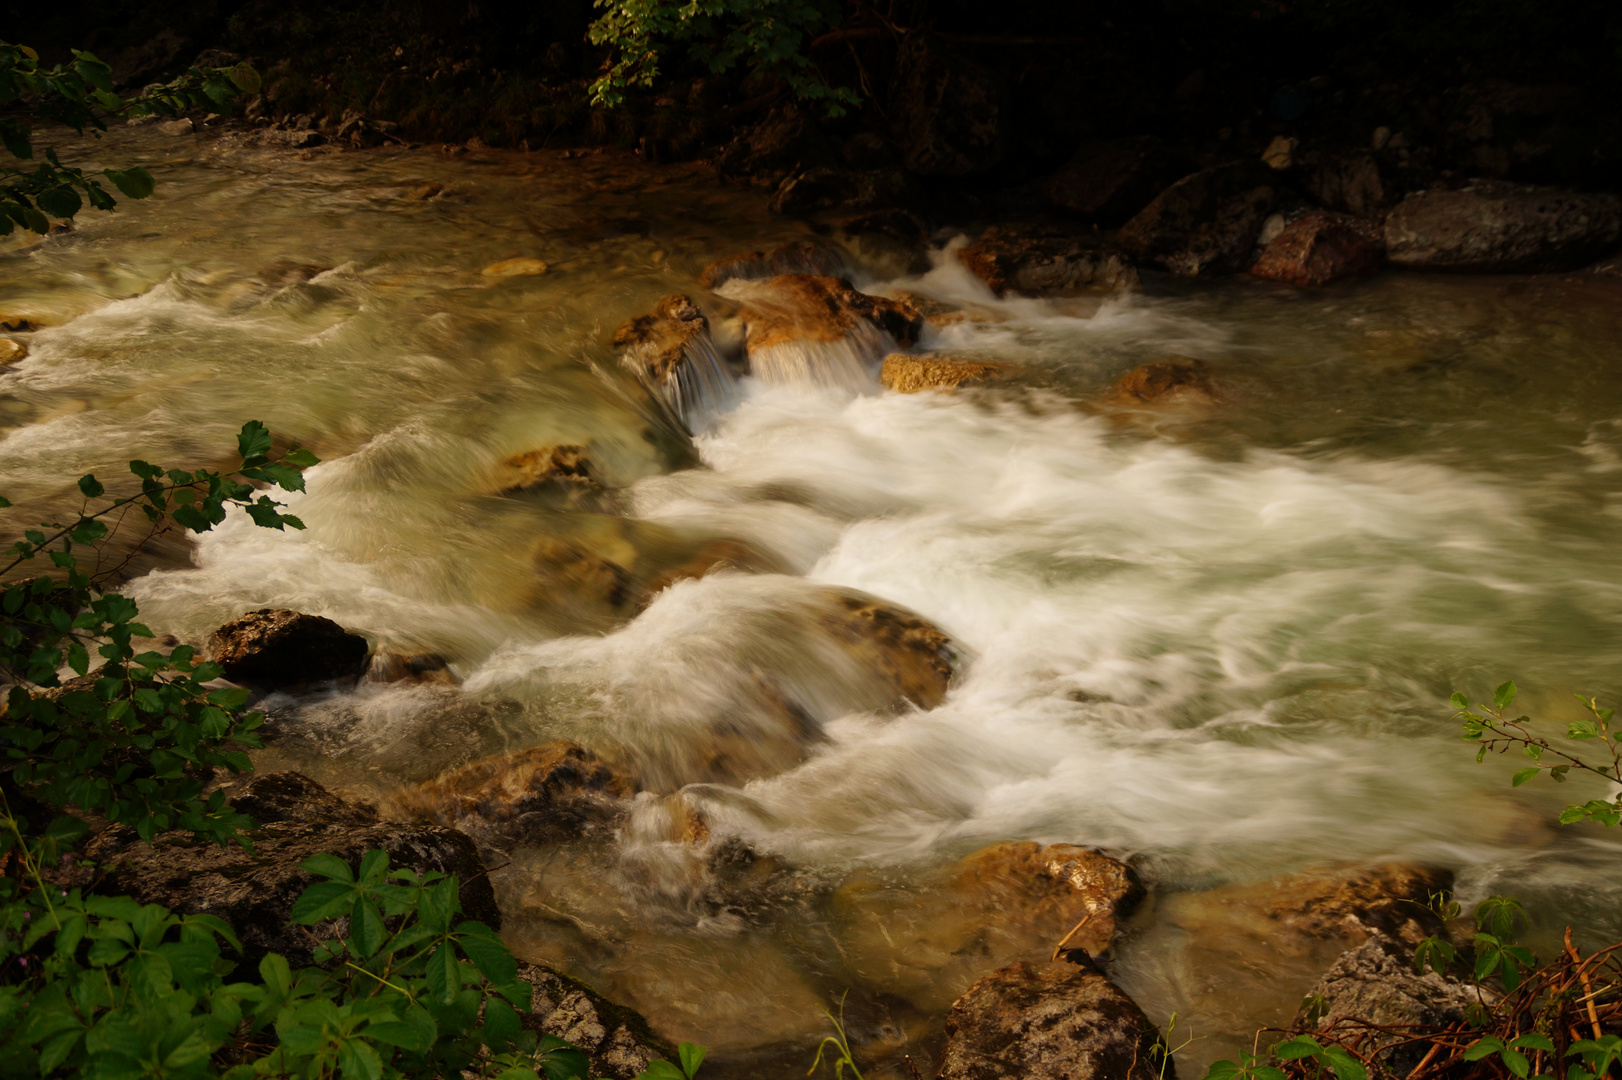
{"type": "Point", "coordinates": [1502, 228]}
{"type": "Point", "coordinates": [564, 467]}
{"type": "Point", "coordinates": [618, 1040]}
{"type": "Point", "coordinates": [1062, 1020]}
{"type": "Point", "coordinates": [1039, 259]}
{"type": "Point", "coordinates": [925, 942]}
{"type": "Point", "coordinates": [1318, 248]}
{"type": "Point", "coordinates": [1389, 899]}
{"type": "Point", "coordinates": [548, 793]}
{"type": "Point", "coordinates": [798, 257]}
{"type": "Point", "coordinates": [419, 668]}
{"type": "Point", "coordinates": [12, 351]}
{"type": "Point", "coordinates": [1376, 982]}
{"type": "Point", "coordinates": [915, 655]}
{"type": "Point", "coordinates": [815, 329]}
{"type": "Point", "coordinates": [276, 649]}
{"type": "Point", "coordinates": [1176, 380]}
{"type": "Point", "coordinates": [907, 374]}
{"type": "Point", "coordinates": [1204, 223]}
{"type": "Point", "coordinates": [948, 112]}
{"type": "Point", "coordinates": [254, 892]}
{"type": "Point", "coordinates": [1110, 180]}
{"type": "Point", "coordinates": [672, 351]}
{"type": "Point", "coordinates": [519, 267]}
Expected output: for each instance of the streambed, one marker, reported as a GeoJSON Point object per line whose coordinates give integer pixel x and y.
{"type": "Point", "coordinates": [1216, 641]}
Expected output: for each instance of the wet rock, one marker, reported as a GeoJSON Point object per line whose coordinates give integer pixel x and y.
{"type": "Point", "coordinates": [1280, 153]}
{"type": "Point", "coordinates": [1204, 223]}
{"type": "Point", "coordinates": [618, 1040]}
{"type": "Point", "coordinates": [12, 351]}
{"type": "Point", "coordinates": [786, 142]}
{"type": "Point", "coordinates": [519, 267]}
{"type": "Point", "coordinates": [797, 257]}
{"type": "Point", "coordinates": [815, 329]}
{"type": "Point", "coordinates": [1502, 228]}
{"type": "Point", "coordinates": [1036, 259]}
{"type": "Point", "coordinates": [13, 323]}
{"type": "Point", "coordinates": [1109, 180]}
{"type": "Point", "coordinates": [672, 351]}
{"type": "Point", "coordinates": [275, 649]}
{"type": "Point", "coordinates": [915, 655]}
{"type": "Point", "coordinates": [1376, 982]}
{"type": "Point", "coordinates": [1389, 900]}
{"type": "Point", "coordinates": [418, 668]}
{"type": "Point", "coordinates": [926, 941]}
{"type": "Point", "coordinates": [566, 467]}
{"type": "Point", "coordinates": [1061, 1020]}
{"type": "Point", "coordinates": [1318, 248]}
{"type": "Point", "coordinates": [575, 575]}
{"type": "Point", "coordinates": [356, 131]}
{"type": "Point", "coordinates": [711, 556]}
{"type": "Point", "coordinates": [1177, 380]}
{"type": "Point", "coordinates": [911, 374]}
{"type": "Point", "coordinates": [1354, 183]}
{"type": "Point", "coordinates": [817, 189]}
{"type": "Point", "coordinates": [289, 138]}
{"type": "Point", "coordinates": [549, 793]}
{"type": "Point", "coordinates": [255, 892]}
{"type": "Point", "coordinates": [948, 112]}
{"type": "Point", "coordinates": [183, 126]}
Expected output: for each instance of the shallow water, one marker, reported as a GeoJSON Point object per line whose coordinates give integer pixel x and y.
{"type": "Point", "coordinates": [1216, 640]}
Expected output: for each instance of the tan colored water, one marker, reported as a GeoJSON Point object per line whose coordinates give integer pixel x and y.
{"type": "Point", "coordinates": [1218, 642]}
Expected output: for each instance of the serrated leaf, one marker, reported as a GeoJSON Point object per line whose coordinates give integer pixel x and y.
{"type": "Point", "coordinates": [1522, 776]}
{"type": "Point", "coordinates": [1502, 696]}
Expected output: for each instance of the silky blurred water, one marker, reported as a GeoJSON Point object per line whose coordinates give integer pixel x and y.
{"type": "Point", "coordinates": [1215, 639]}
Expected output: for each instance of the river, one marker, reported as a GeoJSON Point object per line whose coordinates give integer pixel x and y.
{"type": "Point", "coordinates": [1217, 641]}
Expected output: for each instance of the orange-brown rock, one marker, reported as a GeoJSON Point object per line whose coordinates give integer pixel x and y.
{"type": "Point", "coordinates": [11, 351]}
{"type": "Point", "coordinates": [658, 343]}
{"type": "Point", "coordinates": [565, 466]}
{"type": "Point", "coordinates": [1318, 248]}
{"type": "Point", "coordinates": [1390, 899]}
{"type": "Point", "coordinates": [547, 793]}
{"type": "Point", "coordinates": [798, 257]}
{"type": "Point", "coordinates": [712, 555]}
{"type": "Point", "coordinates": [818, 307]}
{"type": "Point", "coordinates": [910, 649]}
{"type": "Point", "coordinates": [521, 267]}
{"type": "Point", "coordinates": [1177, 380]}
{"type": "Point", "coordinates": [907, 374]}
{"type": "Point", "coordinates": [1037, 259]}
{"type": "Point", "coordinates": [422, 668]}
{"type": "Point", "coordinates": [927, 940]}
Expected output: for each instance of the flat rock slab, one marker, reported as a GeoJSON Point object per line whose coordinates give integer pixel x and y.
{"type": "Point", "coordinates": [1502, 228]}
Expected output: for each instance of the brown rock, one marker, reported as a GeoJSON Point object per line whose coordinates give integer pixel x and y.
{"type": "Point", "coordinates": [570, 573]}
{"type": "Point", "coordinates": [556, 791]}
{"type": "Point", "coordinates": [1178, 380]}
{"type": "Point", "coordinates": [798, 257]}
{"type": "Point", "coordinates": [910, 650]}
{"type": "Point", "coordinates": [1050, 1021]}
{"type": "Point", "coordinates": [521, 267]}
{"type": "Point", "coordinates": [565, 466]}
{"type": "Point", "coordinates": [1391, 899]}
{"type": "Point", "coordinates": [671, 350]}
{"type": "Point", "coordinates": [1036, 259]}
{"type": "Point", "coordinates": [911, 374]}
{"type": "Point", "coordinates": [618, 1040]}
{"type": "Point", "coordinates": [1502, 228]}
{"type": "Point", "coordinates": [812, 328]}
{"type": "Point", "coordinates": [11, 351]}
{"type": "Point", "coordinates": [712, 555]}
{"type": "Point", "coordinates": [254, 892]}
{"type": "Point", "coordinates": [421, 668]}
{"type": "Point", "coordinates": [1204, 223]}
{"type": "Point", "coordinates": [1110, 180]}
{"type": "Point", "coordinates": [1318, 248]}
{"type": "Point", "coordinates": [275, 649]}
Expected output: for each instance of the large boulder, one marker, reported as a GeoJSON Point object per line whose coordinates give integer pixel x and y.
{"type": "Point", "coordinates": [1495, 227]}
{"type": "Point", "coordinates": [274, 649]}
{"type": "Point", "coordinates": [1062, 1020]}
{"type": "Point", "coordinates": [1109, 180]}
{"type": "Point", "coordinates": [1376, 983]}
{"type": "Point", "coordinates": [545, 794]}
{"type": "Point", "coordinates": [949, 112]}
{"type": "Point", "coordinates": [1045, 258]}
{"type": "Point", "coordinates": [1204, 223]}
{"type": "Point", "coordinates": [254, 891]}
{"type": "Point", "coordinates": [617, 1040]}
{"type": "Point", "coordinates": [1318, 248]}
{"type": "Point", "coordinates": [815, 329]}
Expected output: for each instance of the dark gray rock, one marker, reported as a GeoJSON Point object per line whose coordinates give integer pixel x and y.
{"type": "Point", "coordinates": [274, 648]}
{"type": "Point", "coordinates": [1056, 1021]}
{"type": "Point", "coordinates": [1494, 227]}
{"type": "Point", "coordinates": [949, 113]}
{"type": "Point", "coordinates": [1206, 222]}
{"type": "Point", "coordinates": [255, 892]}
{"type": "Point", "coordinates": [1354, 183]}
{"type": "Point", "coordinates": [1043, 258]}
{"type": "Point", "coordinates": [618, 1040]}
{"type": "Point", "coordinates": [1376, 982]}
{"type": "Point", "coordinates": [1110, 180]}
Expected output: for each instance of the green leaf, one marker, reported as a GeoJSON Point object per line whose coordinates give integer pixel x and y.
{"type": "Point", "coordinates": [300, 458]}
{"type": "Point", "coordinates": [135, 182]}
{"type": "Point", "coordinates": [366, 927]}
{"type": "Point", "coordinates": [253, 440]}
{"type": "Point", "coordinates": [321, 900]}
{"type": "Point", "coordinates": [1299, 1047]}
{"type": "Point", "coordinates": [692, 1056]}
{"type": "Point", "coordinates": [443, 980]}
{"type": "Point", "coordinates": [1502, 696]}
{"type": "Point", "coordinates": [487, 951]}
{"type": "Point", "coordinates": [660, 1069]}
{"type": "Point", "coordinates": [1485, 1047]}
{"type": "Point", "coordinates": [565, 1062]}
{"type": "Point", "coordinates": [60, 201]}
{"type": "Point", "coordinates": [1460, 701]}
{"type": "Point", "coordinates": [1522, 776]}
{"type": "Point", "coordinates": [328, 866]}
{"type": "Point", "coordinates": [1534, 1041]}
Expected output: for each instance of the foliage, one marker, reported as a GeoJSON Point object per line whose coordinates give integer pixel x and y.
{"type": "Point", "coordinates": [1488, 725]}
{"type": "Point", "coordinates": [841, 1058]}
{"type": "Point", "coordinates": [137, 742]}
{"type": "Point", "coordinates": [689, 1055]}
{"type": "Point", "coordinates": [80, 95]}
{"type": "Point", "coordinates": [767, 36]}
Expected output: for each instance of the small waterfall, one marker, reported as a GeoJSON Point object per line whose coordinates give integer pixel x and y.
{"type": "Point", "coordinates": [672, 351]}
{"type": "Point", "coordinates": [848, 363]}
{"type": "Point", "coordinates": [816, 330]}
{"type": "Point", "coordinates": [701, 384]}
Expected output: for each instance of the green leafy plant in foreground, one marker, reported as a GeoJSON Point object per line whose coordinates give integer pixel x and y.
{"type": "Point", "coordinates": [80, 95]}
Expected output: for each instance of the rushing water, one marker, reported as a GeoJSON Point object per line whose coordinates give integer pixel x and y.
{"type": "Point", "coordinates": [1217, 640]}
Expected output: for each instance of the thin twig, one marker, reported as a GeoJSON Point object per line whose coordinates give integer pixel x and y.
{"type": "Point", "coordinates": [1057, 949]}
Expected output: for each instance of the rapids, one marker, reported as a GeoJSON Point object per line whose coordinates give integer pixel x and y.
{"type": "Point", "coordinates": [1215, 640]}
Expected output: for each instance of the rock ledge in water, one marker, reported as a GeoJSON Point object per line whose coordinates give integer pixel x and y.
{"type": "Point", "coordinates": [274, 648]}
{"type": "Point", "coordinates": [1502, 228]}
{"type": "Point", "coordinates": [907, 374]}
{"type": "Point", "coordinates": [1062, 1020]}
{"type": "Point", "coordinates": [1037, 259]}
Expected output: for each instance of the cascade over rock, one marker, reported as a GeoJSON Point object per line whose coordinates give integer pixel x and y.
{"type": "Point", "coordinates": [671, 349]}
{"type": "Point", "coordinates": [813, 329]}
